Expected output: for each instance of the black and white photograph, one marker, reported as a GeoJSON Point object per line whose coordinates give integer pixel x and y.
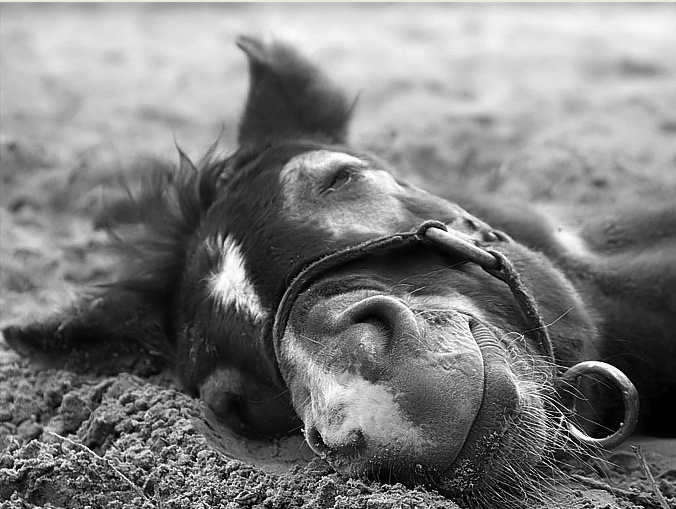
{"type": "Point", "coordinates": [338, 255]}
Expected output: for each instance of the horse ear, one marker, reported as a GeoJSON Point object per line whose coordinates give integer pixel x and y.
{"type": "Point", "coordinates": [290, 98]}
{"type": "Point", "coordinates": [110, 333]}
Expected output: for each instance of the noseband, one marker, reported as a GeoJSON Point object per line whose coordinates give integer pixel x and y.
{"type": "Point", "coordinates": [495, 263]}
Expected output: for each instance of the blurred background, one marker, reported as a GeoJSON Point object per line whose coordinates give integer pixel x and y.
{"type": "Point", "coordinates": [571, 104]}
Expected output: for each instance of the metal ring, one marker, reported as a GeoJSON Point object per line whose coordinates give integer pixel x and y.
{"type": "Point", "coordinates": [629, 397]}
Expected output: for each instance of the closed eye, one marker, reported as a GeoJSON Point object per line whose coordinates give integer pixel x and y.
{"type": "Point", "coordinates": [340, 178]}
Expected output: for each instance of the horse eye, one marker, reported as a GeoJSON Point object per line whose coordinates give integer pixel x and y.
{"type": "Point", "coordinates": [340, 178]}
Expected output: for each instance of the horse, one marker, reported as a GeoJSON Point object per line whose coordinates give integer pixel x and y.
{"type": "Point", "coordinates": [296, 283]}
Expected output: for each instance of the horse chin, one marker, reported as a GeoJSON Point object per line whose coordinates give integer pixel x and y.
{"type": "Point", "coordinates": [441, 405]}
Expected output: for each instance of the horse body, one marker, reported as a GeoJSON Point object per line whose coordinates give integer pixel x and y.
{"type": "Point", "coordinates": [409, 364]}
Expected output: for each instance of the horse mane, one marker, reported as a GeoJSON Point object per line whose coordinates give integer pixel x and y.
{"type": "Point", "coordinates": [127, 324]}
{"type": "Point", "coordinates": [156, 237]}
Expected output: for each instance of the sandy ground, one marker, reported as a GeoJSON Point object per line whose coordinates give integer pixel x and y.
{"type": "Point", "coordinates": [558, 104]}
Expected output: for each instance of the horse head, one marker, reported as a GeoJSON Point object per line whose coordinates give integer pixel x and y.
{"type": "Point", "coordinates": [404, 363]}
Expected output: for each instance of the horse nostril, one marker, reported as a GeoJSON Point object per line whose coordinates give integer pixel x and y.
{"type": "Point", "coordinates": [316, 441]}
{"type": "Point", "coordinates": [350, 445]}
{"type": "Point", "coordinates": [388, 314]}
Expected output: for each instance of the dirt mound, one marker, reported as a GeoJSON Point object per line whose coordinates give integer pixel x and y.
{"type": "Point", "coordinates": [73, 441]}
{"type": "Point", "coordinates": [81, 441]}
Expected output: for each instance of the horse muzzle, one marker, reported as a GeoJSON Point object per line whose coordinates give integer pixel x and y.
{"type": "Point", "coordinates": [390, 393]}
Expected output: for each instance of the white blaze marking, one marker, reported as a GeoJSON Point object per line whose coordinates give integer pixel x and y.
{"type": "Point", "coordinates": [368, 407]}
{"type": "Point", "coordinates": [342, 402]}
{"type": "Point", "coordinates": [230, 284]}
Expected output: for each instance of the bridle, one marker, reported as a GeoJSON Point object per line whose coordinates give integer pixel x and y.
{"type": "Point", "coordinates": [465, 248]}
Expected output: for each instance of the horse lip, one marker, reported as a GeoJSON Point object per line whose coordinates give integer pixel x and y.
{"type": "Point", "coordinates": [486, 339]}
{"type": "Point", "coordinates": [490, 343]}
{"type": "Point", "coordinates": [495, 355]}
{"type": "Point", "coordinates": [489, 427]}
